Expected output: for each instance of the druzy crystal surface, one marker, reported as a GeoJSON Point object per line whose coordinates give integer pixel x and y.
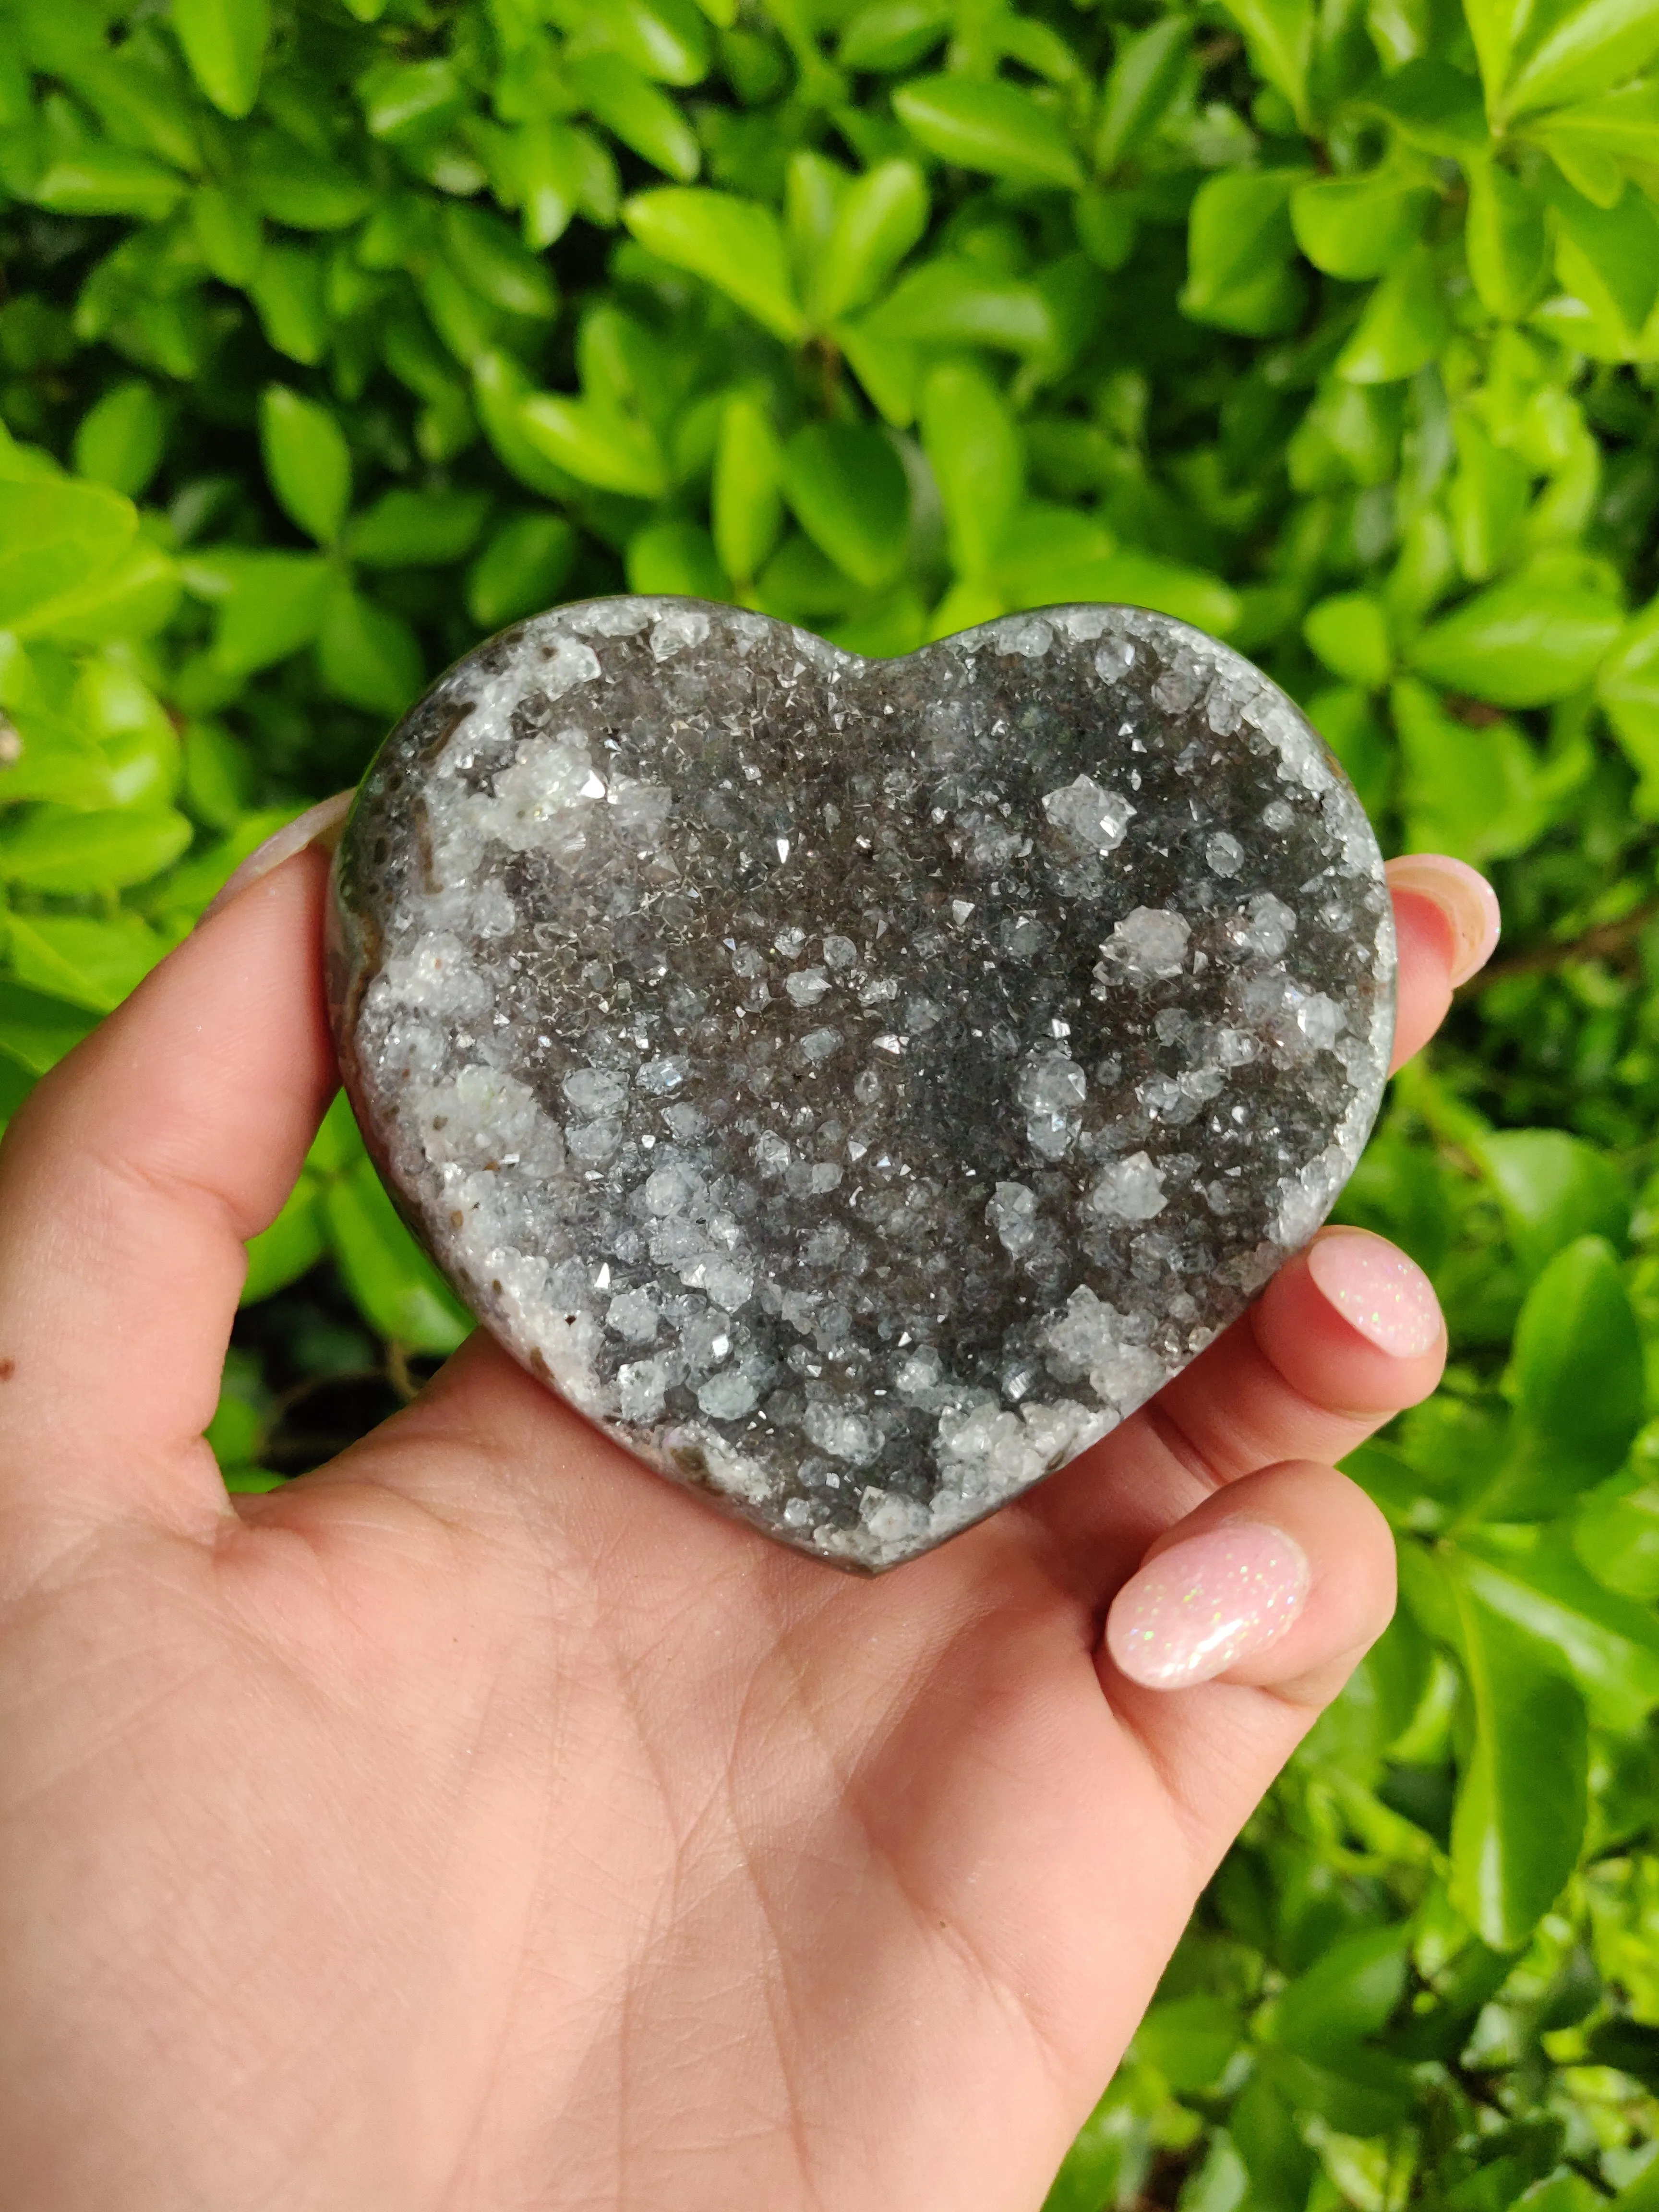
{"type": "Point", "coordinates": [858, 1085]}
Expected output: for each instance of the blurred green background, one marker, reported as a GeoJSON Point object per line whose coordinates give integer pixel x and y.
{"type": "Point", "coordinates": [337, 333]}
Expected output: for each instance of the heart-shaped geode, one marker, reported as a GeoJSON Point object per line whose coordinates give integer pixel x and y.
{"type": "Point", "coordinates": [856, 1084]}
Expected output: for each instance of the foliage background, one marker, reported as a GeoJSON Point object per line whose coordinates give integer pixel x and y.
{"type": "Point", "coordinates": [336, 333]}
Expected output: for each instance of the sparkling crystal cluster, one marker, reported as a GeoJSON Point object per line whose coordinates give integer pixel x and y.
{"type": "Point", "coordinates": [859, 1085]}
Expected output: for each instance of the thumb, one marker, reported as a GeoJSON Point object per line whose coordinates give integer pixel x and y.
{"type": "Point", "coordinates": [129, 1184]}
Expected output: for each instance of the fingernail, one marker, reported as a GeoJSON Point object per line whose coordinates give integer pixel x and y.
{"type": "Point", "coordinates": [319, 825]}
{"type": "Point", "coordinates": [1205, 1604]}
{"type": "Point", "coordinates": [1464, 895]}
{"type": "Point", "coordinates": [1377, 1290]}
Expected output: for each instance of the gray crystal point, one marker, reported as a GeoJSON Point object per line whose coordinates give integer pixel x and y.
{"type": "Point", "coordinates": [857, 1085]}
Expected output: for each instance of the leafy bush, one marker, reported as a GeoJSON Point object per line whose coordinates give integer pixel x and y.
{"type": "Point", "coordinates": [337, 333]}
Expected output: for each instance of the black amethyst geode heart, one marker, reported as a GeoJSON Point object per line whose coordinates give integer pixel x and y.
{"type": "Point", "coordinates": [856, 1084]}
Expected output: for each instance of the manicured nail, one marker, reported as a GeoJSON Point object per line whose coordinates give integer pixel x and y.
{"type": "Point", "coordinates": [1205, 1604]}
{"type": "Point", "coordinates": [1464, 895]}
{"type": "Point", "coordinates": [1377, 1290]}
{"type": "Point", "coordinates": [319, 825]}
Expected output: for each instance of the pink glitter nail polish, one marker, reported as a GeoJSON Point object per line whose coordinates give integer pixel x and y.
{"type": "Point", "coordinates": [1202, 1606]}
{"type": "Point", "coordinates": [1377, 1290]}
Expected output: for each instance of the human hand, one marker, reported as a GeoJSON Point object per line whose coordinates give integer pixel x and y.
{"type": "Point", "coordinates": [480, 1824]}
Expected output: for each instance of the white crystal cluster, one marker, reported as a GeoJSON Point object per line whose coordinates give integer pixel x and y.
{"type": "Point", "coordinates": [858, 1087]}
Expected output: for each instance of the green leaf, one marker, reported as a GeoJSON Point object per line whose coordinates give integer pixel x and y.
{"type": "Point", "coordinates": [746, 498]}
{"type": "Point", "coordinates": [1139, 88]}
{"type": "Point", "coordinates": [1514, 1843]}
{"type": "Point", "coordinates": [991, 126]}
{"type": "Point", "coordinates": [1486, 501]}
{"type": "Point", "coordinates": [1554, 1188]}
{"type": "Point", "coordinates": [1615, 1534]}
{"type": "Point", "coordinates": [499, 389]}
{"type": "Point", "coordinates": [1190, 2040]}
{"type": "Point", "coordinates": [132, 599]}
{"type": "Point", "coordinates": [1348, 722]}
{"type": "Point", "coordinates": [368, 656]}
{"type": "Point", "coordinates": [292, 1245]}
{"type": "Point", "coordinates": [1641, 2195]}
{"type": "Point", "coordinates": [406, 102]}
{"type": "Point", "coordinates": [667, 39]}
{"type": "Point", "coordinates": [306, 461]}
{"type": "Point", "coordinates": [1358, 2092]}
{"type": "Point", "coordinates": [133, 729]}
{"type": "Point", "coordinates": [595, 444]}
{"type": "Point", "coordinates": [218, 775]}
{"type": "Point", "coordinates": [1520, 643]}
{"type": "Point", "coordinates": [417, 529]}
{"type": "Point", "coordinates": [224, 43]}
{"type": "Point", "coordinates": [57, 849]}
{"type": "Point", "coordinates": [1047, 554]}
{"type": "Point", "coordinates": [488, 258]}
{"type": "Point", "coordinates": [880, 218]}
{"type": "Point", "coordinates": [55, 535]}
{"type": "Point", "coordinates": [1494, 24]}
{"type": "Point", "coordinates": [54, 759]}
{"type": "Point", "coordinates": [734, 244]}
{"type": "Point", "coordinates": [1474, 792]}
{"type": "Point", "coordinates": [890, 35]}
{"type": "Point", "coordinates": [1577, 1369]}
{"type": "Point", "coordinates": [1621, 125]}
{"type": "Point", "coordinates": [1603, 1643]}
{"type": "Point", "coordinates": [287, 289]}
{"type": "Point", "coordinates": [1627, 688]}
{"type": "Point", "coordinates": [548, 162]}
{"type": "Point", "coordinates": [1239, 245]}
{"type": "Point", "coordinates": [1403, 326]}
{"type": "Point", "coordinates": [814, 188]}
{"type": "Point", "coordinates": [1347, 1996]}
{"type": "Point", "coordinates": [957, 302]}
{"type": "Point", "coordinates": [1597, 46]}
{"type": "Point", "coordinates": [521, 570]}
{"type": "Point", "coordinates": [645, 119]}
{"type": "Point", "coordinates": [394, 1286]}
{"type": "Point", "coordinates": [234, 1432]}
{"type": "Point", "coordinates": [137, 94]}
{"type": "Point", "coordinates": [1358, 227]}
{"type": "Point", "coordinates": [1168, 587]}
{"type": "Point", "coordinates": [1505, 241]}
{"type": "Point", "coordinates": [15, 1083]}
{"type": "Point", "coordinates": [181, 895]}
{"type": "Point", "coordinates": [889, 368]}
{"type": "Point", "coordinates": [1350, 633]}
{"type": "Point", "coordinates": [91, 963]}
{"type": "Point", "coordinates": [1281, 36]}
{"type": "Point", "coordinates": [35, 1030]}
{"type": "Point", "coordinates": [120, 441]}
{"type": "Point", "coordinates": [1609, 256]}
{"type": "Point", "coordinates": [977, 461]}
{"type": "Point", "coordinates": [268, 605]}
{"type": "Point", "coordinates": [227, 231]}
{"type": "Point", "coordinates": [293, 184]}
{"type": "Point", "coordinates": [101, 180]}
{"type": "Point", "coordinates": [847, 489]}
{"type": "Point", "coordinates": [677, 559]}
{"type": "Point", "coordinates": [1432, 107]}
{"type": "Point", "coordinates": [1278, 2165]}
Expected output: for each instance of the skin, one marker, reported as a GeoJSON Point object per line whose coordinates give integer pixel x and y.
{"type": "Point", "coordinates": [480, 1823]}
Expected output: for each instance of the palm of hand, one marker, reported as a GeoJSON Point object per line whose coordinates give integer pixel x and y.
{"type": "Point", "coordinates": [481, 1823]}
